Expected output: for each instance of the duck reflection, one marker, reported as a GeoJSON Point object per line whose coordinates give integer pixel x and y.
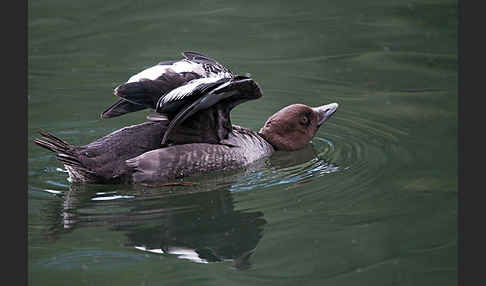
{"type": "Point", "coordinates": [202, 226]}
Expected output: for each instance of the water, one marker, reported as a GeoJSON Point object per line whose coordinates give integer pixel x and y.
{"type": "Point", "coordinates": [372, 201]}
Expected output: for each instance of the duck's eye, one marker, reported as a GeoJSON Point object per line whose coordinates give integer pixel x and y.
{"type": "Point", "coordinates": [304, 120]}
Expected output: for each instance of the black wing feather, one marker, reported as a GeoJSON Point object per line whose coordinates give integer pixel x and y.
{"type": "Point", "coordinates": [170, 105]}
{"type": "Point", "coordinates": [119, 108]}
{"type": "Point", "coordinates": [205, 60]}
{"type": "Point", "coordinates": [145, 93]}
{"type": "Point", "coordinates": [198, 57]}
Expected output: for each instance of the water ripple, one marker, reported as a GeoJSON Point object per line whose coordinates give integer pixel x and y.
{"type": "Point", "coordinates": [357, 144]}
{"type": "Point", "coordinates": [284, 168]}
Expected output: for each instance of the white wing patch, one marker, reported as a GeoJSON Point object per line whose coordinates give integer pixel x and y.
{"type": "Point", "coordinates": [183, 91]}
{"type": "Point", "coordinates": [151, 73]}
{"type": "Point", "coordinates": [188, 66]}
{"type": "Point", "coordinates": [181, 66]}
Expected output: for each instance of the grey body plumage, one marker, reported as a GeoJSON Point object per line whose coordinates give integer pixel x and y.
{"type": "Point", "coordinates": [242, 147]}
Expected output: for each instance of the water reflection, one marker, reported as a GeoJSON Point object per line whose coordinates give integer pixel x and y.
{"type": "Point", "coordinates": [202, 226]}
{"type": "Point", "coordinates": [197, 221]}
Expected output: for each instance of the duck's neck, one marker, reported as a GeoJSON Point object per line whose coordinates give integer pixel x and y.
{"type": "Point", "coordinates": [267, 139]}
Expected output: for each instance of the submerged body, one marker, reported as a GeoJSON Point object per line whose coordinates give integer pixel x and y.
{"type": "Point", "coordinates": [133, 155]}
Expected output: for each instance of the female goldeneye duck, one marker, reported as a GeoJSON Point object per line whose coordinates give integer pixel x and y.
{"type": "Point", "coordinates": [133, 154]}
{"type": "Point", "coordinates": [197, 95]}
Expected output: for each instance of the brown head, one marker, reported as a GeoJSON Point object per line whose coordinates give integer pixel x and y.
{"type": "Point", "coordinates": [293, 127]}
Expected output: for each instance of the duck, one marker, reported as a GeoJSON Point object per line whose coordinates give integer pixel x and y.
{"type": "Point", "coordinates": [133, 154]}
{"type": "Point", "coordinates": [190, 133]}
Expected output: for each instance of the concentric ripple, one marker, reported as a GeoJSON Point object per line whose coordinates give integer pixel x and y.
{"type": "Point", "coordinates": [349, 144]}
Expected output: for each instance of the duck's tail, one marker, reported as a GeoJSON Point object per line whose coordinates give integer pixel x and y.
{"type": "Point", "coordinates": [65, 154]}
{"type": "Point", "coordinates": [52, 143]}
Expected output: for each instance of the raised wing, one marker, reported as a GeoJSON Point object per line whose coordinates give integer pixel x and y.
{"type": "Point", "coordinates": [145, 93]}
{"type": "Point", "coordinates": [204, 94]}
{"type": "Point", "coordinates": [144, 89]}
{"type": "Point", "coordinates": [187, 93]}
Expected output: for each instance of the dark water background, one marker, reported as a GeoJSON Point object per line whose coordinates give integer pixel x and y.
{"type": "Point", "coordinates": [372, 201]}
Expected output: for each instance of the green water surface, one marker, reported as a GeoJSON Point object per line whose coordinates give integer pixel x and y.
{"type": "Point", "coordinates": [371, 201]}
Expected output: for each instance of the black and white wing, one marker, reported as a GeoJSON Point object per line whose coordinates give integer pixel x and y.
{"type": "Point", "coordinates": [210, 66]}
{"type": "Point", "coordinates": [145, 93]}
{"type": "Point", "coordinates": [144, 89]}
{"type": "Point", "coordinates": [203, 93]}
